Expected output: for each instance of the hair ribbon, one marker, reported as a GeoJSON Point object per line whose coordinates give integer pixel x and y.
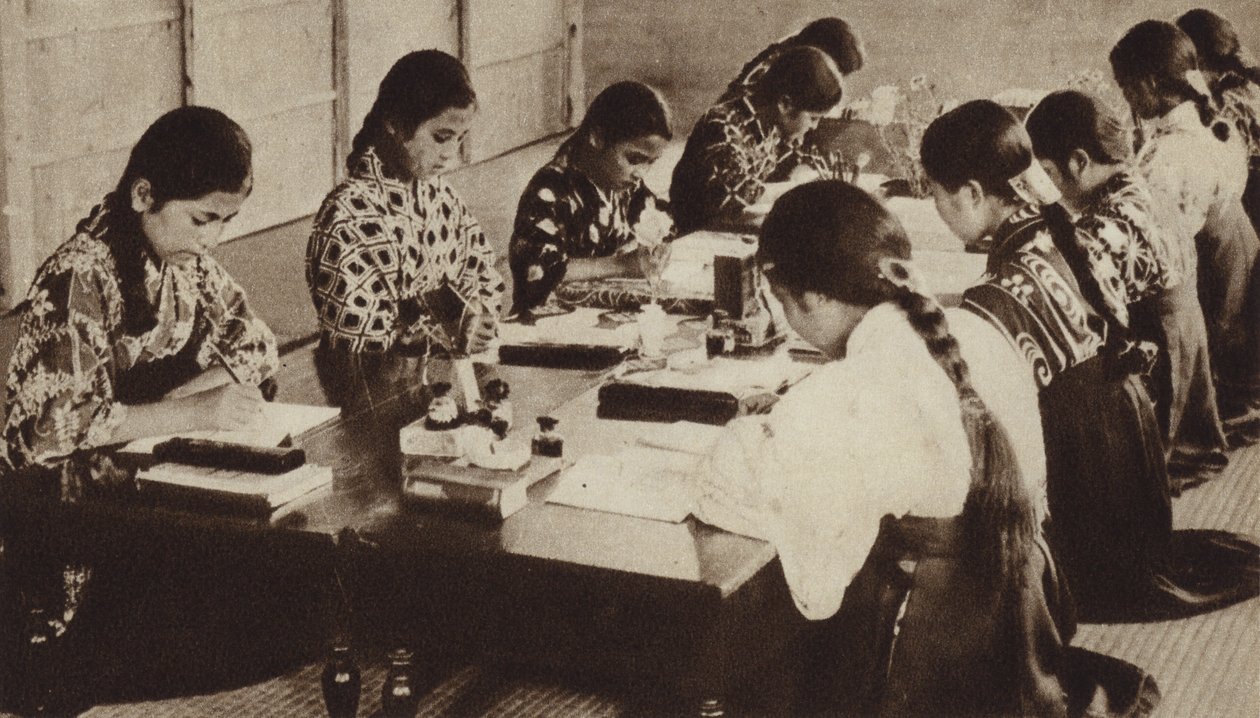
{"type": "Point", "coordinates": [1034, 186]}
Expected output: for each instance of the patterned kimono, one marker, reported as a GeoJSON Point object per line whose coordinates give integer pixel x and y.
{"type": "Point", "coordinates": [74, 368]}
{"type": "Point", "coordinates": [1199, 181]}
{"type": "Point", "coordinates": [1122, 243]}
{"type": "Point", "coordinates": [393, 262]}
{"type": "Point", "coordinates": [1029, 292]}
{"type": "Point", "coordinates": [562, 214]}
{"type": "Point", "coordinates": [724, 168]}
{"type": "Point", "coordinates": [1240, 105]}
{"type": "Point", "coordinates": [809, 151]}
{"type": "Point", "coordinates": [1107, 485]}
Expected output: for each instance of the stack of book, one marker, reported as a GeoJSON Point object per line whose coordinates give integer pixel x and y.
{"type": "Point", "coordinates": [230, 491]}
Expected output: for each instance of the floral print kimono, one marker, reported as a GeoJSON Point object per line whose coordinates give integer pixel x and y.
{"type": "Point", "coordinates": [808, 151]}
{"type": "Point", "coordinates": [562, 214]}
{"type": "Point", "coordinates": [75, 369]}
{"type": "Point", "coordinates": [392, 262]}
{"type": "Point", "coordinates": [1123, 245]}
{"type": "Point", "coordinates": [729, 157]}
{"type": "Point", "coordinates": [1198, 182]}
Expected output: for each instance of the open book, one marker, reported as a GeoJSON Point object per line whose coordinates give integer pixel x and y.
{"type": "Point", "coordinates": [276, 423]}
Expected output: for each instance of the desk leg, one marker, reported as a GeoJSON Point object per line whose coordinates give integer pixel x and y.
{"type": "Point", "coordinates": [341, 680]}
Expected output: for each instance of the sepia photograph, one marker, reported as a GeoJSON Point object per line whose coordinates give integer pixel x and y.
{"type": "Point", "coordinates": [618, 358]}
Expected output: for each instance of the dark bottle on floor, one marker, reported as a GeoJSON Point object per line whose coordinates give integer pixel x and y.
{"type": "Point", "coordinates": [398, 697]}
{"type": "Point", "coordinates": [38, 665]}
{"type": "Point", "coordinates": [341, 682]}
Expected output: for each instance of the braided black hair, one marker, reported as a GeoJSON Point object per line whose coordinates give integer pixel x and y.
{"type": "Point", "coordinates": [830, 237]}
{"type": "Point", "coordinates": [1218, 47]}
{"type": "Point", "coordinates": [187, 153]}
{"type": "Point", "coordinates": [1161, 53]}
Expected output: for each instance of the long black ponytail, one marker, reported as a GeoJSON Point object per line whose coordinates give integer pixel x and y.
{"type": "Point", "coordinates": [830, 237]}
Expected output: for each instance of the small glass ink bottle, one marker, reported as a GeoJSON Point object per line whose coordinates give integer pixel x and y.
{"type": "Point", "coordinates": [443, 412]}
{"type": "Point", "coordinates": [398, 695]}
{"type": "Point", "coordinates": [495, 398]}
{"type": "Point", "coordinates": [720, 338]}
{"type": "Point", "coordinates": [548, 442]}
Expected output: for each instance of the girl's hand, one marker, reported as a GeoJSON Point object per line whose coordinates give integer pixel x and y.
{"type": "Point", "coordinates": [226, 408]}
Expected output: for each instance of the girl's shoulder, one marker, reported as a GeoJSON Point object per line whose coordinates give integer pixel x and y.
{"type": "Point", "coordinates": [83, 256]}
{"type": "Point", "coordinates": [80, 272]}
{"type": "Point", "coordinates": [353, 198]}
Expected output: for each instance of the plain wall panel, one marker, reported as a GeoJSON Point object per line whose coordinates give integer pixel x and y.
{"type": "Point", "coordinates": [100, 90]}
{"type": "Point", "coordinates": [65, 192]}
{"type": "Point", "coordinates": [262, 57]}
{"type": "Point", "coordinates": [50, 18]}
{"type": "Point", "coordinates": [269, 65]}
{"type": "Point", "coordinates": [292, 169]}
{"type": "Point", "coordinates": [521, 101]}
{"type": "Point", "coordinates": [381, 31]}
{"type": "Point", "coordinates": [500, 30]}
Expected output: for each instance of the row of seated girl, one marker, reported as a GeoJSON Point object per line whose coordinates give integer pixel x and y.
{"type": "Point", "coordinates": [1021, 409]}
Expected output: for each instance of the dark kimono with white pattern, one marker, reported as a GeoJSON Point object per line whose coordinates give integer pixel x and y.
{"type": "Point", "coordinates": [562, 214]}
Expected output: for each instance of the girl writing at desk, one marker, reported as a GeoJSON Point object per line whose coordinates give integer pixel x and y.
{"type": "Point", "coordinates": [588, 205]}
{"type": "Point", "coordinates": [737, 145]}
{"type": "Point", "coordinates": [131, 329]}
{"type": "Point", "coordinates": [133, 306]}
{"type": "Point", "coordinates": [901, 483]}
{"type": "Point", "coordinates": [395, 257]}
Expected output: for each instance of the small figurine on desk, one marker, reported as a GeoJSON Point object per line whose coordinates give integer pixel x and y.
{"type": "Point", "coordinates": [495, 398]}
{"type": "Point", "coordinates": [548, 442]}
{"type": "Point", "coordinates": [443, 412]}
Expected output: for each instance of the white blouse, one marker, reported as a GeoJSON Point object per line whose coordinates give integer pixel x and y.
{"type": "Point", "coordinates": [879, 432]}
{"type": "Point", "coordinates": [1191, 174]}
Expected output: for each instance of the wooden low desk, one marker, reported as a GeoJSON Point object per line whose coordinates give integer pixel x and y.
{"type": "Point", "coordinates": [682, 607]}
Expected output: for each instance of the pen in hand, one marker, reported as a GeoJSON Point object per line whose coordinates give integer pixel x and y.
{"type": "Point", "coordinates": [223, 362]}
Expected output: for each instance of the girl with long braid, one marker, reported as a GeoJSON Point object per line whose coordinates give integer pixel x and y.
{"type": "Point", "coordinates": [1196, 166]}
{"type": "Point", "coordinates": [395, 259]}
{"type": "Point", "coordinates": [904, 476]}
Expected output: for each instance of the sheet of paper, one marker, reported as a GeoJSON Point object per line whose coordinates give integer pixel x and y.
{"type": "Point", "coordinates": [726, 374]}
{"type": "Point", "coordinates": [637, 481]}
{"type": "Point", "coordinates": [681, 436]}
{"type": "Point", "coordinates": [578, 328]}
{"type": "Point", "coordinates": [276, 421]}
